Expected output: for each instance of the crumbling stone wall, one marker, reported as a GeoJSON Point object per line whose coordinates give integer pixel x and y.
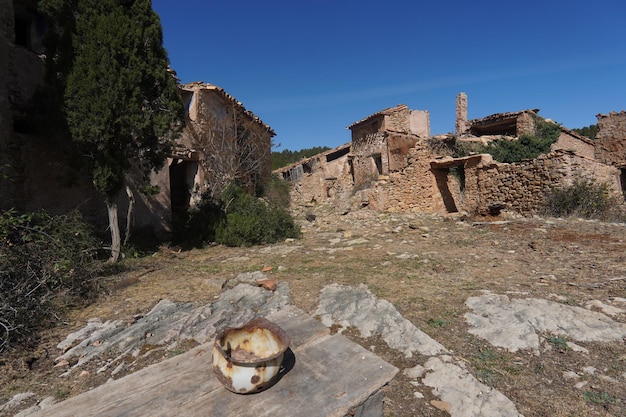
{"type": "Point", "coordinates": [611, 139]}
{"type": "Point", "coordinates": [231, 143]}
{"type": "Point", "coordinates": [398, 119]}
{"type": "Point", "coordinates": [522, 186]}
{"type": "Point", "coordinates": [572, 142]}
{"type": "Point", "coordinates": [411, 189]}
{"type": "Point", "coordinates": [370, 158]}
{"type": "Point", "coordinates": [526, 123]}
{"type": "Point", "coordinates": [480, 183]}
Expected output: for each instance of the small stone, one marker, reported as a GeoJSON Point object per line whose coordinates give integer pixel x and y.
{"type": "Point", "coordinates": [441, 405]}
{"type": "Point", "coordinates": [589, 370]}
{"type": "Point", "coordinates": [62, 363]}
{"type": "Point", "coordinates": [268, 284]}
{"type": "Point", "coordinates": [570, 375]}
{"type": "Point", "coordinates": [84, 374]}
{"type": "Point", "coordinates": [267, 268]}
{"type": "Point", "coordinates": [418, 395]}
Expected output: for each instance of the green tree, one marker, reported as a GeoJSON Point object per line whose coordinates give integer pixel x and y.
{"type": "Point", "coordinates": [589, 131]}
{"type": "Point", "coordinates": [121, 104]}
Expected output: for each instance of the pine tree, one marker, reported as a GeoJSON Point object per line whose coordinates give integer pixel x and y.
{"type": "Point", "coordinates": [122, 106]}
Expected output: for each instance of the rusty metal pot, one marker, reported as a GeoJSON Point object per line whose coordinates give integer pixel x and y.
{"type": "Point", "coordinates": [247, 359]}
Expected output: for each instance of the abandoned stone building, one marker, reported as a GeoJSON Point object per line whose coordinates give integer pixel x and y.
{"type": "Point", "coordinates": [394, 164]}
{"type": "Point", "coordinates": [222, 141]}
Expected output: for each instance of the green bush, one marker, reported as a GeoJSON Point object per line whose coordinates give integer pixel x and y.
{"type": "Point", "coordinates": [584, 198]}
{"type": "Point", "coordinates": [252, 221]}
{"type": "Point", "coordinates": [526, 146]}
{"type": "Point", "coordinates": [197, 227]}
{"type": "Point", "coordinates": [239, 219]}
{"type": "Point", "coordinates": [46, 264]}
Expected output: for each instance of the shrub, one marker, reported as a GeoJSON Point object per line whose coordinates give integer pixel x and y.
{"type": "Point", "coordinates": [527, 146]}
{"type": "Point", "coordinates": [584, 198]}
{"type": "Point", "coordinates": [252, 221]}
{"type": "Point", "coordinates": [197, 227]}
{"type": "Point", "coordinates": [46, 263]}
{"type": "Point", "coordinates": [240, 219]}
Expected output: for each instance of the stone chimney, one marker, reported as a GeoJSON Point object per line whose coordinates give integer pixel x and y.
{"type": "Point", "coordinates": [461, 114]}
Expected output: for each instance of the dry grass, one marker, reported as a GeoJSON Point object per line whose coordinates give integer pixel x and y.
{"type": "Point", "coordinates": [425, 266]}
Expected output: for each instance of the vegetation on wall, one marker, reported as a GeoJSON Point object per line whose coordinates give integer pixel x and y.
{"type": "Point", "coordinates": [47, 264]}
{"type": "Point", "coordinates": [527, 146]}
{"type": "Point", "coordinates": [287, 157]}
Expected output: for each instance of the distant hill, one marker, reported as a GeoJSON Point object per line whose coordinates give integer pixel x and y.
{"type": "Point", "coordinates": [288, 157]}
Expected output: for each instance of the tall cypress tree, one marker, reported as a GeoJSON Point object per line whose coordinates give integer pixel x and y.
{"type": "Point", "coordinates": [122, 106]}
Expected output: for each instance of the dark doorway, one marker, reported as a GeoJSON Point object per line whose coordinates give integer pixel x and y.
{"type": "Point", "coordinates": [622, 180]}
{"type": "Point", "coordinates": [182, 175]}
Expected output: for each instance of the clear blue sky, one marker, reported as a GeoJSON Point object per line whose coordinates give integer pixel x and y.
{"type": "Point", "coordinates": [310, 68]}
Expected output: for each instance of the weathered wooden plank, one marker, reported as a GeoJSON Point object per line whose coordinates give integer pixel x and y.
{"type": "Point", "coordinates": [331, 376]}
{"type": "Point", "coordinates": [329, 379]}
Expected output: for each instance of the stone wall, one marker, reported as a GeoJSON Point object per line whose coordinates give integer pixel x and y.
{"type": "Point", "coordinates": [525, 124]}
{"type": "Point", "coordinates": [411, 189]}
{"type": "Point", "coordinates": [370, 158]}
{"type": "Point", "coordinates": [611, 139]}
{"type": "Point", "coordinates": [572, 142]}
{"type": "Point", "coordinates": [522, 186]}
{"type": "Point", "coordinates": [397, 119]}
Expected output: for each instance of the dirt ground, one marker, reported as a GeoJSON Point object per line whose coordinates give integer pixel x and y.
{"type": "Point", "coordinates": [427, 266]}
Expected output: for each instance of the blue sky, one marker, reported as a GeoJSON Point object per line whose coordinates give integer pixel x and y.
{"type": "Point", "coordinates": [309, 69]}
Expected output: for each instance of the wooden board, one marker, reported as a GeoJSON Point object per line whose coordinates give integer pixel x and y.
{"type": "Point", "coordinates": [330, 376]}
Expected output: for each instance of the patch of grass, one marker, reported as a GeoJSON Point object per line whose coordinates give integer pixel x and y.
{"type": "Point", "coordinates": [559, 342]}
{"type": "Point", "coordinates": [440, 323]}
{"type": "Point", "coordinates": [488, 376]}
{"type": "Point", "coordinates": [599, 397]}
{"type": "Point", "coordinates": [487, 356]}
{"type": "Point", "coordinates": [175, 352]}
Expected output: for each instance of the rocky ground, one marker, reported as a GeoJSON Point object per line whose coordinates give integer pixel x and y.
{"type": "Point", "coordinates": [498, 316]}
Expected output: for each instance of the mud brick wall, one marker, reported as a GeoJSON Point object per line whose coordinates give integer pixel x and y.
{"type": "Point", "coordinates": [611, 139]}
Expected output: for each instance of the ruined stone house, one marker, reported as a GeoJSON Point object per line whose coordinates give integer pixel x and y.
{"type": "Point", "coordinates": [35, 173]}
{"type": "Point", "coordinates": [222, 142]}
{"type": "Point", "coordinates": [396, 169]}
